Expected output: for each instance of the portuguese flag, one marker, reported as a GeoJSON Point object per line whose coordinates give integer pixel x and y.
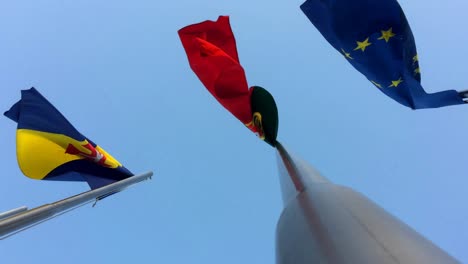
{"type": "Point", "coordinates": [212, 54]}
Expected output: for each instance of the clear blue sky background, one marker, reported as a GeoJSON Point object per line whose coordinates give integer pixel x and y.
{"type": "Point", "coordinates": [117, 71]}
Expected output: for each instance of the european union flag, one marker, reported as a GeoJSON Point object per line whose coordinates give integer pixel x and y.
{"type": "Point", "coordinates": [375, 37]}
{"type": "Point", "coordinates": [50, 148]}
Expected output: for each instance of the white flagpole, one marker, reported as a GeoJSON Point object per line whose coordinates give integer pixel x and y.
{"type": "Point", "coordinates": [20, 220]}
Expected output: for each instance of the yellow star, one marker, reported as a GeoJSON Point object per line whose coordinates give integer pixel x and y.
{"type": "Point", "coordinates": [363, 45]}
{"type": "Point", "coordinates": [415, 59]}
{"type": "Point", "coordinates": [386, 35]}
{"type": "Point", "coordinates": [347, 55]}
{"type": "Point", "coordinates": [377, 84]}
{"type": "Point", "coordinates": [396, 83]}
{"type": "Point", "coordinates": [417, 71]}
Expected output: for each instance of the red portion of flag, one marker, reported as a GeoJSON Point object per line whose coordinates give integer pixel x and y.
{"type": "Point", "coordinates": [93, 155]}
{"type": "Point", "coordinates": [212, 54]}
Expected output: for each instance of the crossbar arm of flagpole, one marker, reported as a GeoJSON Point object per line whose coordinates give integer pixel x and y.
{"type": "Point", "coordinates": [13, 212]}
{"type": "Point", "coordinates": [23, 220]}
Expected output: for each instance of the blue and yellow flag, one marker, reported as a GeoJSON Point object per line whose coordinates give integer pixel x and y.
{"type": "Point", "coordinates": [50, 148]}
{"type": "Point", "coordinates": [375, 37]}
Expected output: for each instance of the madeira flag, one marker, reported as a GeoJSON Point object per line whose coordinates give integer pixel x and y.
{"type": "Point", "coordinates": [375, 37]}
{"type": "Point", "coordinates": [49, 148]}
{"type": "Point", "coordinates": [212, 54]}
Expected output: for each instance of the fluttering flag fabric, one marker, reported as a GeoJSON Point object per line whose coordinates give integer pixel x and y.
{"type": "Point", "coordinates": [375, 37]}
{"type": "Point", "coordinates": [50, 148]}
{"type": "Point", "coordinates": [212, 53]}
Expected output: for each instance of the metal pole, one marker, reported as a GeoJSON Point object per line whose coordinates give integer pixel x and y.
{"type": "Point", "coordinates": [25, 219]}
{"type": "Point", "coordinates": [13, 212]}
{"type": "Point", "coordinates": [323, 222]}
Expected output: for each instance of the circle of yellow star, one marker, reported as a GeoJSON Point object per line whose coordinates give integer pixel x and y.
{"type": "Point", "coordinates": [415, 58]}
{"type": "Point", "coordinates": [376, 84]}
{"type": "Point", "coordinates": [396, 83]}
{"type": "Point", "coordinates": [363, 45]}
{"type": "Point", "coordinates": [347, 55]}
{"type": "Point", "coordinates": [417, 71]}
{"type": "Point", "coordinates": [386, 35]}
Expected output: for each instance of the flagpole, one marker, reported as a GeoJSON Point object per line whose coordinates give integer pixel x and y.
{"type": "Point", "coordinates": [323, 222]}
{"type": "Point", "coordinates": [18, 221]}
{"type": "Point", "coordinates": [13, 212]}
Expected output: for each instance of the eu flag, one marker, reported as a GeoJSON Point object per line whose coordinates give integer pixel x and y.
{"type": "Point", "coordinates": [212, 54]}
{"type": "Point", "coordinates": [50, 148]}
{"type": "Point", "coordinates": [375, 37]}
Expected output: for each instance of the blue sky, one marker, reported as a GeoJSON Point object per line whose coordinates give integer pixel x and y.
{"type": "Point", "coordinates": [118, 72]}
